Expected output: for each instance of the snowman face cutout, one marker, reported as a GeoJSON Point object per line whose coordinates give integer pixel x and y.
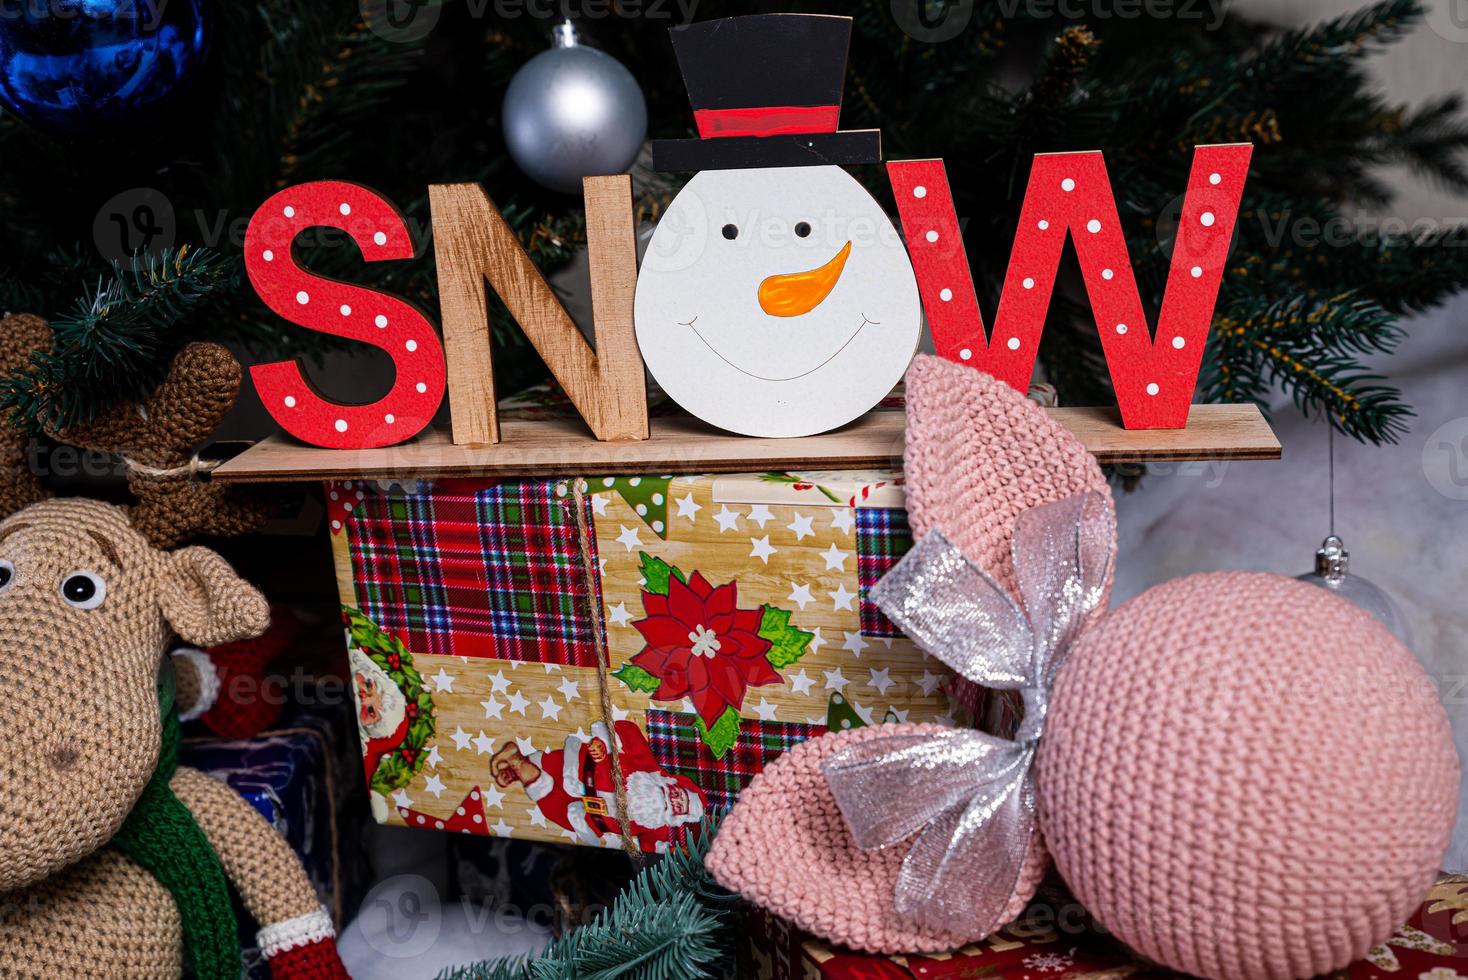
{"type": "Point", "coordinates": [776, 302]}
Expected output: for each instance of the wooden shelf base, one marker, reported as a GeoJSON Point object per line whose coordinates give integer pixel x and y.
{"type": "Point", "coordinates": [564, 447]}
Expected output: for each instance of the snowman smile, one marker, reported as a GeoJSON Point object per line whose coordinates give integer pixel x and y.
{"type": "Point", "coordinates": [865, 321]}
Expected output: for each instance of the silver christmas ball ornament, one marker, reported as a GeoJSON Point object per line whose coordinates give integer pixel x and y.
{"type": "Point", "coordinates": [1332, 571]}
{"type": "Point", "coordinates": [573, 112]}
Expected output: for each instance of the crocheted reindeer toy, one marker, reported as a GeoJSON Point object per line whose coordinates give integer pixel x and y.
{"type": "Point", "coordinates": [155, 440]}
{"type": "Point", "coordinates": [115, 860]}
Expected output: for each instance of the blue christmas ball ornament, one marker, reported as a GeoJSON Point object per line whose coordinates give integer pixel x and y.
{"type": "Point", "coordinates": [91, 67]}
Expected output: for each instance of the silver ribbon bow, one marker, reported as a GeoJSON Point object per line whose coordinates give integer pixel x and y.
{"type": "Point", "coordinates": [968, 795]}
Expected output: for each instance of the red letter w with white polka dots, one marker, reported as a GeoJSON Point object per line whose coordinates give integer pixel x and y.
{"type": "Point", "coordinates": [1070, 194]}
{"type": "Point", "coordinates": [343, 310]}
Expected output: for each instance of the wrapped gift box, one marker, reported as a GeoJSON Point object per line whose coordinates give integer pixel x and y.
{"type": "Point", "coordinates": [1056, 940]}
{"type": "Point", "coordinates": [477, 612]}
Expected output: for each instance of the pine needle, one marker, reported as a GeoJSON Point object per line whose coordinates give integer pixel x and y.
{"type": "Point", "coordinates": [672, 922]}
{"type": "Point", "coordinates": [115, 344]}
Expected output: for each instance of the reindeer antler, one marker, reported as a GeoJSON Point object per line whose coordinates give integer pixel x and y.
{"type": "Point", "coordinates": [21, 335]}
{"type": "Point", "coordinates": [157, 438]}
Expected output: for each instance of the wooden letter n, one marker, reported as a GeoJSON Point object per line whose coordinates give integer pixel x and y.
{"type": "Point", "coordinates": [474, 244]}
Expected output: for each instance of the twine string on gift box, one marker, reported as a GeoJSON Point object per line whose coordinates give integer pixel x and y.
{"type": "Point", "coordinates": [599, 639]}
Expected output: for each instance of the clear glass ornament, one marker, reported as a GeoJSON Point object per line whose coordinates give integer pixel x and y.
{"type": "Point", "coordinates": [1332, 562]}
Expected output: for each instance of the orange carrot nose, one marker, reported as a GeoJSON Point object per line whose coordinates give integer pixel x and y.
{"type": "Point", "coordinates": [800, 292]}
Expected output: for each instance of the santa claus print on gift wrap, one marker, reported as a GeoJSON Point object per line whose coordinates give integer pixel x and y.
{"type": "Point", "coordinates": [574, 788]}
{"type": "Point", "coordinates": [701, 646]}
{"type": "Point", "coordinates": [382, 717]}
{"type": "Point", "coordinates": [776, 297]}
{"type": "Point", "coordinates": [395, 712]}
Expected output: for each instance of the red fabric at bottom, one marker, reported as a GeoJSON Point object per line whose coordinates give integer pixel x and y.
{"type": "Point", "coordinates": [315, 961]}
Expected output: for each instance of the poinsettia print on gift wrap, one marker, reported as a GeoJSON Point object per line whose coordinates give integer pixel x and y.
{"type": "Point", "coordinates": [747, 606]}
{"type": "Point", "coordinates": [483, 587]}
{"type": "Point", "coordinates": [701, 646]}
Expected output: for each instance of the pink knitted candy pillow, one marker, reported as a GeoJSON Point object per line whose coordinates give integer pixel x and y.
{"type": "Point", "coordinates": [1241, 775]}
{"type": "Point", "coordinates": [979, 454]}
{"type": "Point", "coordinates": [1246, 776]}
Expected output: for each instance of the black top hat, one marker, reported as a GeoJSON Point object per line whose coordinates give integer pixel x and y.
{"type": "Point", "coordinates": [766, 92]}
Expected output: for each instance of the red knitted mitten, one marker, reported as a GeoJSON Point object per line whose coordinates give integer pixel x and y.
{"type": "Point", "coordinates": [304, 948]}
{"type": "Point", "coordinates": [316, 961]}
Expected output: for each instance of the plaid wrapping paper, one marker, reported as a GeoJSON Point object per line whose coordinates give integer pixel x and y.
{"type": "Point", "coordinates": [882, 538]}
{"type": "Point", "coordinates": [485, 585]}
{"type": "Point", "coordinates": [476, 570]}
{"type": "Point", "coordinates": [677, 749]}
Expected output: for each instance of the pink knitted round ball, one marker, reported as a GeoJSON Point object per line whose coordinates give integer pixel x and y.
{"type": "Point", "coordinates": [1246, 776]}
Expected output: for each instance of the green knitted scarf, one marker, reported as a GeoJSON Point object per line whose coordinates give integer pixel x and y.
{"type": "Point", "coordinates": [161, 835]}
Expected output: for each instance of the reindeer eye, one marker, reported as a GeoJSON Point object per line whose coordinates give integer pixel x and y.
{"type": "Point", "coordinates": [7, 574]}
{"type": "Point", "coordinates": [85, 590]}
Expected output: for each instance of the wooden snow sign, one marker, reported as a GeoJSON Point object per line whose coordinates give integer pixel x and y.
{"type": "Point", "coordinates": [776, 298]}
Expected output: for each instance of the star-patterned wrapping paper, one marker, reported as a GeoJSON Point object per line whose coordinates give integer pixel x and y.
{"type": "Point", "coordinates": [800, 557]}
{"type": "Point", "coordinates": [733, 619]}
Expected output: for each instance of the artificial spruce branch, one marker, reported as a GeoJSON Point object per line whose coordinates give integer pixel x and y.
{"type": "Point", "coordinates": [1308, 347]}
{"type": "Point", "coordinates": [672, 922]}
{"type": "Point", "coordinates": [1324, 52]}
{"type": "Point", "coordinates": [110, 347]}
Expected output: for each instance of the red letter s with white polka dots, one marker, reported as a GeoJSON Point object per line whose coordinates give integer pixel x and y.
{"type": "Point", "coordinates": [343, 310]}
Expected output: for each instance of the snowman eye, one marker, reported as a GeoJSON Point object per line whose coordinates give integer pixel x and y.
{"type": "Point", "coordinates": [731, 232]}
{"type": "Point", "coordinates": [803, 229]}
